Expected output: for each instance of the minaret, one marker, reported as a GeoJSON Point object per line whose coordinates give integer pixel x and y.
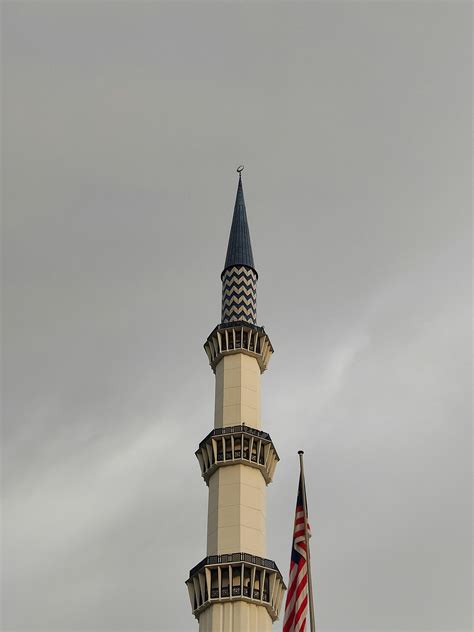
{"type": "Point", "coordinates": [235, 588]}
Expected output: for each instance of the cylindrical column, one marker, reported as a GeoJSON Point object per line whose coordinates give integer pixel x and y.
{"type": "Point", "coordinates": [239, 294]}
{"type": "Point", "coordinates": [237, 511]}
{"type": "Point", "coordinates": [237, 493]}
{"type": "Point", "coordinates": [237, 398]}
{"type": "Point", "coordinates": [236, 616]}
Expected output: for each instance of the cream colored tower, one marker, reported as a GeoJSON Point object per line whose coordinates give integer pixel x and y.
{"type": "Point", "coordinates": [235, 588]}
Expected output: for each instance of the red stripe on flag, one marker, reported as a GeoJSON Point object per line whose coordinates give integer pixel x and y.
{"type": "Point", "coordinates": [297, 596]}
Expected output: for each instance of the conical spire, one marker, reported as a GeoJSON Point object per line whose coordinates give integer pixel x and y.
{"type": "Point", "coordinates": [239, 250]}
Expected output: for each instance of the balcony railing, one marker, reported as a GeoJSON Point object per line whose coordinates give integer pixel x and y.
{"type": "Point", "coordinates": [229, 558]}
{"type": "Point", "coordinates": [248, 430]}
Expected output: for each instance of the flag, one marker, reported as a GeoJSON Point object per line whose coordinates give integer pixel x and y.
{"type": "Point", "coordinates": [296, 607]}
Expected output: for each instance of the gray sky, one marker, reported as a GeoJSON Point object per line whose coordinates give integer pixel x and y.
{"type": "Point", "coordinates": [123, 126]}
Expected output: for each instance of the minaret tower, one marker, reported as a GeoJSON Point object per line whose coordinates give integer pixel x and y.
{"type": "Point", "coordinates": [235, 588]}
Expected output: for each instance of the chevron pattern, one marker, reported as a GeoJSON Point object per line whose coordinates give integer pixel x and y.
{"type": "Point", "coordinates": [239, 295]}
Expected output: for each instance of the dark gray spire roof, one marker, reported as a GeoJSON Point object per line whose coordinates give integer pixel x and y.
{"type": "Point", "coordinates": [239, 250]}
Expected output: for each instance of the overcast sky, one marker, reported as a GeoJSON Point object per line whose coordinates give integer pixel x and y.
{"type": "Point", "coordinates": [123, 125]}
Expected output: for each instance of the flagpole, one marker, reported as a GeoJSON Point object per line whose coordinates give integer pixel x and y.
{"type": "Point", "coordinates": [310, 581]}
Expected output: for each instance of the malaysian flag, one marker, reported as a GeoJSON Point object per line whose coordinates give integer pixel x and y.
{"type": "Point", "coordinates": [296, 607]}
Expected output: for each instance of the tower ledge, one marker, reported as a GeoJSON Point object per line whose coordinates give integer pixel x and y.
{"type": "Point", "coordinates": [236, 576]}
{"type": "Point", "coordinates": [238, 337]}
{"type": "Point", "coordinates": [232, 445]}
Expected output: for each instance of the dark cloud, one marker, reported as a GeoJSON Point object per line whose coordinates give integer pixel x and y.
{"type": "Point", "coordinates": [123, 124]}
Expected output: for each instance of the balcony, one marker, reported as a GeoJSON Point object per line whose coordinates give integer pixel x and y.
{"type": "Point", "coordinates": [236, 576]}
{"type": "Point", "coordinates": [238, 337]}
{"type": "Point", "coordinates": [234, 445]}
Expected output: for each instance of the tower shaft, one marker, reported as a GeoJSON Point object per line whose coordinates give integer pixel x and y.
{"type": "Point", "coordinates": [237, 493]}
{"type": "Point", "coordinates": [236, 588]}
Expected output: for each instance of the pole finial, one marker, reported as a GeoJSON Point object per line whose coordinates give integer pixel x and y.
{"type": "Point", "coordinates": [300, 451]}
{"type": "Point", "coordinates": [239, 170]}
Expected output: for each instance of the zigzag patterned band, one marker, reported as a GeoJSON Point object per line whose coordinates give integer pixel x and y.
{"type": "Point", "coordinates": [239, 294]}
